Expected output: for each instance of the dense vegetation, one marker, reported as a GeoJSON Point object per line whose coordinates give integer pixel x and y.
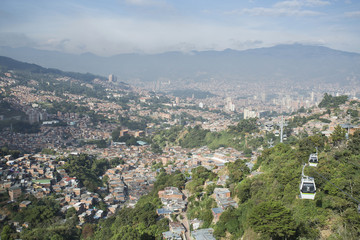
{"type": "Point", "coordinates": [65, 107]}
{"type": "Point", "coordinates": [235, 136]}
{"type": "Point", "coordinates": [200, 202]}
{"type": "Point", "coordinates": [133, 125]}
{"type": "Point", "coordinates": [189, 93]}
{"type": "Point", "coordinates": [269, 203]}
{"type": "Point", "coordinates": [9, 111]}
{"type": "Point", "coordinates": [6, 151]}
{"type": "Point", "coordinates": [44, 220]}
{"type": "Point", "coordinates": [332, 102]}
{"type": "Point", "coordinates": [20, 126]}
{"type": "Point", "coordinates": [86, 168]}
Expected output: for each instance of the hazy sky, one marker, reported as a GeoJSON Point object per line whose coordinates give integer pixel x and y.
{"type": "Point", "coordinates": [109, 27]}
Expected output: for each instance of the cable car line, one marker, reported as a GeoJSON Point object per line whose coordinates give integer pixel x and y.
{"type": "Point", "coordinates": [353, 163]}
{"type": "Point", "coordinates": [339, 188]}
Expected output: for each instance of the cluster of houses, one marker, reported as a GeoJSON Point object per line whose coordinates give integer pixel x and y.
{"type": "Point", "coordinates": [223, 199]}
{"type": "Point", "coordinates": [31, 174]}
{"type": "Point", "coordinates": [176, 231]}
{"type": "Point", "coordinates": [173, 200]}
{"type": "Point", "coordinates": [40, 175]}
{"type": "Point", "coordinates": [128, 182]}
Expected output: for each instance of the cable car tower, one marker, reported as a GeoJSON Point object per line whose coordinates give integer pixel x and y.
{"type": "Point", "coordinates": [307, 186]}
{"type": "Point", "coordinates": [282, 124]}
{"type": "Point", "coordinates": [271, 142]}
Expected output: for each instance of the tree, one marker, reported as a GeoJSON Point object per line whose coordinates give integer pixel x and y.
{"type": "Point", "coordinates": [354, 143]}
{"type": "Point", "coordinates": [6, 233]}
{"type": "Point", "coordinates": [353, 113]}
{"type": "Point", "coordinates": [127, 232]}
{"type": "Point", "coordinates": [338, 135]}
{"type": "Point", "coordinates": [131, 141]}
{"type": "Point", "coordinates": [86, 168]}
{"type": "Point", "coordinates": [88, 230]}
{"type": "Point", "coordinates": [195, 137]}
{"type": "Point", "coordinates": [247, 152]}
{"type": "Point", "coordinates": [273, 220]}
{"type": "Point", "coordinates": [309, 144]}
{"type": "Point", "coordinates": [237, 171]}
{"type": "Point", "coordinates": [56, 237]}
{"type": "Point", "coordinates": [155, 148]}
{"type": "Point", "coordinates": [48, 151]}
{"type": "Point", "coordinates": [245, 126]}
{"type": "Point", "coordinates": [243, 190]}
{"type": "Point", "coordinates": [115, 135]}
{"type": "Point", "coordinates": [70, 212]}
{"type": "Point", "coordinates": [332, 102]}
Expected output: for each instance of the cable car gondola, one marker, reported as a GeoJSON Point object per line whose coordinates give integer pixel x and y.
{"type": "Point", "coordinates": [313, 160]}
{"type": "Point", "coordinates": [284, 137]}
{"type": "Point", "coordinates": [307, 188]}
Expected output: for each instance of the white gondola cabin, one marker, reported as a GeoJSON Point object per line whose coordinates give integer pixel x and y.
{"type": "Point", "coordinates": [284, 137]}
{"type": "Point", "coordinates": [313, 160]}
{"type": "Point", "coordinates": [307, 188]}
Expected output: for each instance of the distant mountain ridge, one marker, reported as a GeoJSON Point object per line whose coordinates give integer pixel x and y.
{"type": "Point", "coordinates": [294, 62]}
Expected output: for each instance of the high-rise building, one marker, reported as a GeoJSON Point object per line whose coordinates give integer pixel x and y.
{"type": "Point", "coordinates": [14, 193]}
{"type": "Point", "coordinates": [229, 105]}
{"type": "Point", "coordinates": [263, 97]}
{"type": "Point", "coordinates": [250, 114]}
{"type": "Point", "coordinates": [157, 85]}
{"type": "Point", "coordinates": [112, 78]}
{"type": "Point", "coordinates": [34, 116]}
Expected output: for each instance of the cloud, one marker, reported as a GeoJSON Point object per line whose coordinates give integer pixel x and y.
{"type": "Point", "coordinates": [285, 8]}
{"type": "Point", "coordinates": [15, 40]}
{"type": "Point", "coordinates": [56, 44]}
{"type": "Point", "coordinates": [109, 35]}
{"type": "Point", "coordinates": [303, 3]}
{"type": "Point", "coordinates": [241, 44]}
{"type": "Point", "coordinates": [145, 3]}
{"type": "Point", "coordinates": [353, 14]}
{"type": "Point", "coordinates": [110, 31]}
{"type": "Point", "coordinates": [278, 12]}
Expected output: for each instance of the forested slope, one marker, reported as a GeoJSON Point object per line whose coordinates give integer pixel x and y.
{"type": "Point", "coordinates": [269, 204]}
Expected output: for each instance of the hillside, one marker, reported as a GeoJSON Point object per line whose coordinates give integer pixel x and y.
{"type": "Point", "coordinates": [7, 64]}
{"type": "Point", "coordinates": [93, 172]}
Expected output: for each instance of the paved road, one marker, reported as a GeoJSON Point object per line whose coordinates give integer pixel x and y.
{"type": "Point", "coordinates": [185, 220]}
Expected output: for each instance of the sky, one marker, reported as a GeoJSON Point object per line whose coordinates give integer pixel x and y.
{"type": "Point", "coordinates": [110, 27]}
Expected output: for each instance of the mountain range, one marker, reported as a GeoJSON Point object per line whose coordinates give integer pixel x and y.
{"type": "Point", "coordinates": [293, 62]}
